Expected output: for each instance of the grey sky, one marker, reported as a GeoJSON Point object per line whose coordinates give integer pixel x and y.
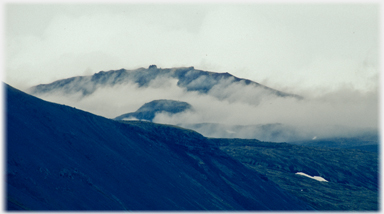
{"type": "Point", "coordinates": [291, 47]}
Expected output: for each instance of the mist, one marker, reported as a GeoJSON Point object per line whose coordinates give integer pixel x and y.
{"type": "Point", "coordinates": [240, 110]}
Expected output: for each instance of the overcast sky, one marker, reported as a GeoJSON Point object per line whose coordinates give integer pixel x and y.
{"type": "Point", "coordinates": [290, 47]}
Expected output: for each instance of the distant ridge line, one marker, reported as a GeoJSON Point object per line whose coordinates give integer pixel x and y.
{"type": "Point", "coordinates": [143, 76]}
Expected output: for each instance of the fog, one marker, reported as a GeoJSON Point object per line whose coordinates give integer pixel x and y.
{"type": "Point", "coordinates": [341, 112]}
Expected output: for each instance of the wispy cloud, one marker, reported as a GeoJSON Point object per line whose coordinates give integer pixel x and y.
{"type": "Point", "coordinates": [301, 46]}
{"type": "Point", "coordinates": [342, 112]}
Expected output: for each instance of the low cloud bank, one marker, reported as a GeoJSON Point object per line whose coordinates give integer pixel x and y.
{"type": "Point", "coordinates": [240, 109]}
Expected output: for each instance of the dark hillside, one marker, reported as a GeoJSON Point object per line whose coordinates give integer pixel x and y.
{"type": "Point", "coordinates": [366, 142]}
{"type": "Point", "coordinates": [61, 158]}
{"type": "Point", "coordinates": [352, 174]}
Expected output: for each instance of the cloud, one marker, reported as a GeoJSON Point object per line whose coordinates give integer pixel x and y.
{"type": "Point", "coordinates": [240, 110]}
{"type": "Point", "coordinates": [299, 46]}
{"type": "Point", "coordinates": [111, 102]}
{"type": "Point", "coordinates": [130, 118]}
{"type": "Point", "coordinates": [344, 112]}
{"type": "Point", "coordinates": [239, 91]}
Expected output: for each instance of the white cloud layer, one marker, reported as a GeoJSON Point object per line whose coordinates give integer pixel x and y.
{"type": "Point", "coordinates": [285, 46]}
{"type": "Point", "coordinates": [343, 112]}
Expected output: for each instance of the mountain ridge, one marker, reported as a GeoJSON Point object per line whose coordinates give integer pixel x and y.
{"type": "Point", "coordinates": [188, 78]}
{"type": "Point", "coordinates": [62, 158]}
{"type": "Point", "coordinates": [149, 110]}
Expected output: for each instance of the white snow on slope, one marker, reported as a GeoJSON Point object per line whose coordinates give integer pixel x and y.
{"type": "Point", "coordinates": [318, 178]}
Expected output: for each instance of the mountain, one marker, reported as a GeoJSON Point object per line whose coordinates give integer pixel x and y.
{"type": "Point", "coordinates": [352, 175]}
{"type": "Point", "coordinates": [62, 158]}
{"type": "Point", "coordinates": [274, 132]}
{"type": "Point", "coordinates": [150, 109]}
{"type": "Point", "coordinates": [267, 132]}
{"type": "Point", "coordinates": [187, 78]}
{"type": "Point", "coordinates": [123, 91]}
{"type": "Point", "coordinates": [225, 106]}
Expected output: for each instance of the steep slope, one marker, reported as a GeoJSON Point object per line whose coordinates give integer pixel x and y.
{"type": "Point", "coordinates": [353, 175]}
{"type": "Point", "coordinates": [187, 77]}
{"type": "Point", "coordinates": [61, 158]}
{"type": "Point", "coordinates": [149, 110]}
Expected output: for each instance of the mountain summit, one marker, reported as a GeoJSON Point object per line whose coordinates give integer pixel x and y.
{"type": "Point", "coordinates": [188, 78]}
{"type": "Point", "coordinates": [149, 110]}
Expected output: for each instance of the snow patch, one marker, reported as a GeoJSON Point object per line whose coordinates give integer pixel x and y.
{"type": "Point", "coordinates": [318, 178]}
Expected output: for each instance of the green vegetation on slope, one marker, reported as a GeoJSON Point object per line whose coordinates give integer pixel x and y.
{"type": "Point", "coordinates": [352, 174]}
